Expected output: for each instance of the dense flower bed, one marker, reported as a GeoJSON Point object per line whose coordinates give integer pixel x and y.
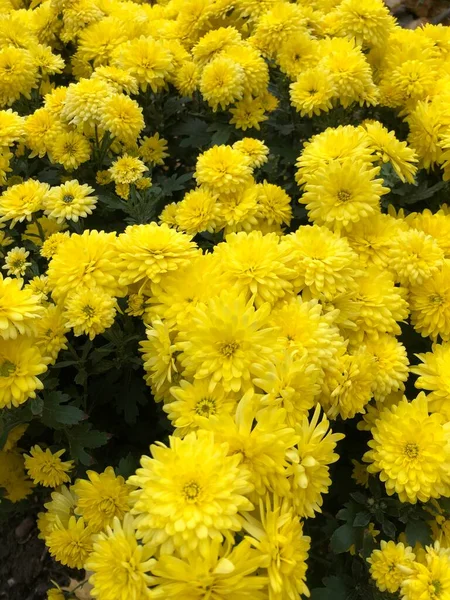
{"type": "Point", "coordinates": [224, 233]}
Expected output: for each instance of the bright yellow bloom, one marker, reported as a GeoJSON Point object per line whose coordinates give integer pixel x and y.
{"type": "Point", "coordinates": [231, 572]}
{"type": "Point", "coordinates": [429, 581]}
{"type": "Point", "coordinates": [47, 468]}
{"type": "Point", "coordinates": [16, 262]}
{"type": "Point", "coordinates": [309, 471]}
{"type": "Point", "coordinates": [430, 305]}
{"type": "Point", "coordinates": [313, 92]}
{"type": "Point", "coordinates": [70, 149]}
{"type": "Point", "coordinates": [41, 229]}
{"type": "Point", "coordinates": [281, 22]}
{"type": "Point", "coordinates": [127, 169]}
{"type": "Point", "coordinates": [248, 113]}
{"type": "Point", "coordinates": [437, 225]}
{"type": "Point", "coordinates": [117, 551]}
{"type": "Point", "coordinates": [122, 117]}
{"type": "Point", "coordinates": [414, 257]}
{"type": "Point", "coordinates": [222, 82]}
{"type": "Point", "coordinates": [71, 544]}
{"type": "Point", "coordinates": [19, 202]}
{"type": "Point", "coordinates": [59, 510]}
{"type": "Point", "coordinates": [238, 210]}
{"type": "Point", "coordinates": [50, 246]}
{"type": "Point", "coordinates": [55, 594]}
{"type": "Point", "coordinates": [120, 80]}
{"type": "Point", "coordinates": [18, 74]}
{"type": "Point", "coordinates": [434, 376]}
{"type": "Point", "coordinates": [368, 21]}
{"type": "Point", "coordinates": [411, 449]}
{"type": "Point", "coordinates": [89, 311]}
{"type": "Point", "coordinates": [343, 193]}
{"type": "Point", "coordinates": [254, 149]}
{"type": "Point", "coordinates": [11, 127]}
{"type": "Point", "coordinates": [83, 105]}
{"type": "Point", "coordinates": [223, 170]}
{"type": "Point", "coordinates": [18, 308]}
{"type": "Point", "coordinates": [13, 478]}
{"type": "Point", "coordinates": [187, 78]}
{"type": "Point", "coordinates": [297, 54]}
{"type": "Point", "coordinates": [88, 260]}
{"type": "Point", "coordinates": [159, 354]}
{"type": "Point", "coordinates": [51, 333]}
{"type": "Point", "coordinates": [192, 403]}
{"type": "Point", "coordinates": [278, 537]}
{"type": "Point", "coordinates": [189, 493]}
{"type": "Point", "coordinates": [390, 366]}
{"type": "Point", "coordinates": [360, 474]}
{"type": "Point", "coordinates": [70, 201]}
{"type": "Point", "coordinates": [257, 266]}
{"type": "Point", "coordinates": [101, 498]}
{"type": "Point", "coordinates": [198, 211]}
{"type": "Point", "coordinates": [225, 339]}
{"type": "Point", "coordinates": [152, 150]}
{"type": "Point", "coordinates": [148, 252]}
{"type": "Point", "coordinates": [386, 565]}
{"type": "Point", "coordinates": [214, 43]}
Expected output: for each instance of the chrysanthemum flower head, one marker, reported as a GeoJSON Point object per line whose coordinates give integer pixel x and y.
{"type": "Point", "coordinates": [71, 544]}
{"type": "Point", "coordinates": [225, 339]}
{"type": "Point", "coordinates": [88, 260]}
{"type": "Point", "coordinates": [238, 210]}
{"type": "Point", "coordinates": [256, 71]}
{"type": "Point", "coordinates": [83, 105]}
{"type": "Point", "coordinates": [430, 305]}
{"type": "Point", "coordinates": [425, 129]}
{"type": "Point", "coordinates": [70, 149]}
{"type": "Point", "coordinates": [223, 170]}
{"type": "Point", "coordinates": [277, 25]}
{"type": "Point", "coordinates": [18, 74]}
{"type": "Point", "coordinates": [47, 468]}
{"type": "Point", "coordinates": [122, 117]}
{"type": "Point", "coordinates": [369, 21]}
{"type": "Point", "coordinates": [434, 376]}
{"type": "Point", "coordinates": [215, 42]}
{"type": "Point", "coordinates": [390, 366]}
{"type": "Point", "coordinates": [117, 550]}
{"type": "Point", "coordinates": [297, 54]}
{"type": "Point", "coordinates": [89, 311]}
{"type": "Point", "coordinates": [254, 149]}
{"type": "Point", "coordinates": [343, 193]}
{"type": "Point", "coordinates": [159, 352]}
{"type": "Point", "coordinates": [410, 449]}
{"type": "Point", "coordinates": [187, 78]}
{"type": "Point", "coordinates": [70, 201]}
{"type": "Point", "coordinates": [41, 130]}
{"type": "Point", "coordinates": [11, 127]}
{"type": "Point", "coordinates": [414, 257]}
{"type": "Point", "coordinates": [101, 498]}
{"type": "Point", "coordinates": [147, 252]}
{"type": "Point", "coordinates": [189, 493]}
{"type": "Point", "coordinates": [120, 80]}
{"type": "Point", "coordinates": [248, 113]}
{"type": "Point", "coordinates": [152, 150]}
{"type": "Point", "coordinates": [430, 580]}
{"type": "Point", "coordinates": [52, 243]}
{"type": "Point", "coordinates": [257, 265]}
{"type": "Point", "coordinates": [278, 536]}
{"type": "Point", "coordinates": [274, 204]}
{"type": "Point", "coordinates": [309, 471]}
{"type": "Point", "coordinates": [198, 211]}
{"type": "Point", "coordinates": [386, 565]}
{"type": "Point", "coordinates": [19, 202]}
{"type": "Point", "coordinates": [437, 225]}
{"type": "Point", "coordinates": [127, 169]}
{"type": "Point", "coordinates": [51, 332]}
{"type": "Point", "coordinates": [313, 92]}
{"type": "Point", "coordinates": [18, 308]}
{"type": "Point", "coordinates": [16, 262]}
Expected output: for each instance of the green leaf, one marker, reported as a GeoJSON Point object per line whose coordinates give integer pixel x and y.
{"type": "Point", "coordinates": [173, 184]}
{"type": "Point", "coordinates": [342, 538]}
{"type": "Point", "coordinates": [82, 438]}
{"type": "Point", "coordinates": [362, 519]}
{"type": "Point", "coordinates": [37, 406]}
{"type": "Point", "coordinates": [388, 528]}
{"type": "Point", "coordinates": [418, 531]}
{"type": "Point", "coordinates": [195, 132]}
{"type": "Point", "coordinates": [335, 589]}
{"type": "Point", "coordinates": [57, 413]}
{"type": "Point", "coordinates": [127, 465]}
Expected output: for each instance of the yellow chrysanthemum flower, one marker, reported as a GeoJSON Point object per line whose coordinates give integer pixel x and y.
{"type": "Point", "coordinates": [120, 80]}
{"type": "Point", "coordinates": [225, 339]}
{"type": "Point", "coordinates": [52, 243]}
{"type": "Point", "coordinates": [70, 149]}
{"type": "Point", "coordinates": [231, 571]}
{"type": "Point", "coordinates": [40, 229]}
{"type": "Point", "coordinates": [83, 105]}
{"type": "Point", "coordinates": [135, 305]}
{"type": "Point", "coordinates": [223, 170]}
{"type": "Point", "coordinates": [187, 78]}
{"type": "Point", "coordinates": [430, 305]}
{"type": "Point", "coordinates": [70, 201]}
{"type": "Point", "coordinates": [238, 210]}
{"type": "Point", "coordinates": [20, 365]}
{"type": "Point", "coordinates": [289, 381]}
{"type": "Point", "coordinates": [88, 260]}
{"type": "Point", "coordinates": [434, 376]}
{"type": "Point", "coordinates": [414, 257]}
{"type": "Point", "coordinates": [19, 202]}
{"type": "Point", "coordinates": [189, 493]}
{"type": "Point", "coordinates": [278, 536]}
{"type": "Point", "coordinates": [152, 150]}
{"type": "Point", "coordinates": [309, 471]}
{"type": "Point", "coordinates": [343, 193]}
{"type": "Point", "coordinates": [431, 580]}
{"type": "Point", "coordinates": [148, 252]}
{"type": "Point", "coordinates": [360, 474]}
{"type": "Point", "coordinates": [117, 551]}
{"type": "Point", "coordinates": [368, 22]}
{"type": "Point", "coordinates": [276, 25]}
{"type": "Point", "coordinates": [58, 511]}
{"type": "Point", "coordinates": [159, 353]}
{"type": "Point", "coordinates": [248, 113]}
{"type": "Point", "coordinates": [387, 564]}
{"type": "Point", "coordinates": [13, 478]}
{"type": "Point", "coordinates": [254, 149]}
{"type": "Point", "coordinates": [55, 594]}
{"type": "Point", "coordinates": [122, 117]}
{"type": "Point", "coordinates": [215, 42]}
{"type": "Point", "coordinates": [70, 545]}
{"type": "Point", "coordinates": [19, 308]}
{"type": "Point", "coordinates": [18, 74]}
{"type": "Point", "coordinates": [390, 366]}
{"type": "Point", "coordinates": [198, 211]}
{"type": "Point", "coordinates": [297, 54]}
{"type": "Point", "coordinates": [11, 127]}
{"type": "Point", "coordinates": [127, 169]}
{"type": "Point", "coordinates": [101, 498]}
{"type": "Point", "coordinates": [437, 225]}
{"type": "Point", "coordinates": [313, 92]}
{"type": "Point", "coordinates": [257, 266]}
{"type": "Point", "coordinates": [192, 403]}
{"type": "Point", "coordinates": [89, 311]}
{"type": "Point", "coordinates": [47, 468]}
{"type": "Point", "coordinates": [411, 449]}
{"type": "Point", "coordinates": [16, 262]}
{"type": "Point", "coordinates": [51, 333]}
{"type": "Point", "coordinates": [222, 82]}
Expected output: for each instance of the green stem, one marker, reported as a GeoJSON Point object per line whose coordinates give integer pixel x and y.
{"type": "Point", "coordinates": [39, 228]}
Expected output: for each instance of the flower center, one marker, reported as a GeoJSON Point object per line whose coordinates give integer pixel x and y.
{"type": "Point", "coordinates": [206, 407]}
{"type": "Point", "coordinates": [191, 491]}
{"type": "Point", "coordinates": [107, 506]}
{"type": "Point", "coordinates": [88, 310]}
{"type": "Point", "coordinates": [437, 585]}
{"type": "Point", "coordinates": [344, 195]}
{"type": "Point", "coordinates": [7, 368]}
{"type": "Point", "coordinates": [229, 348]}
{"type": "Point", "coordinates": [436, 299]}
{"type": "Point", "coordinates": [17, 264]}
{"type": "Point", "coordinates": [412, 450]}
{"type": "Point", "coordinates": [67, 198]}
